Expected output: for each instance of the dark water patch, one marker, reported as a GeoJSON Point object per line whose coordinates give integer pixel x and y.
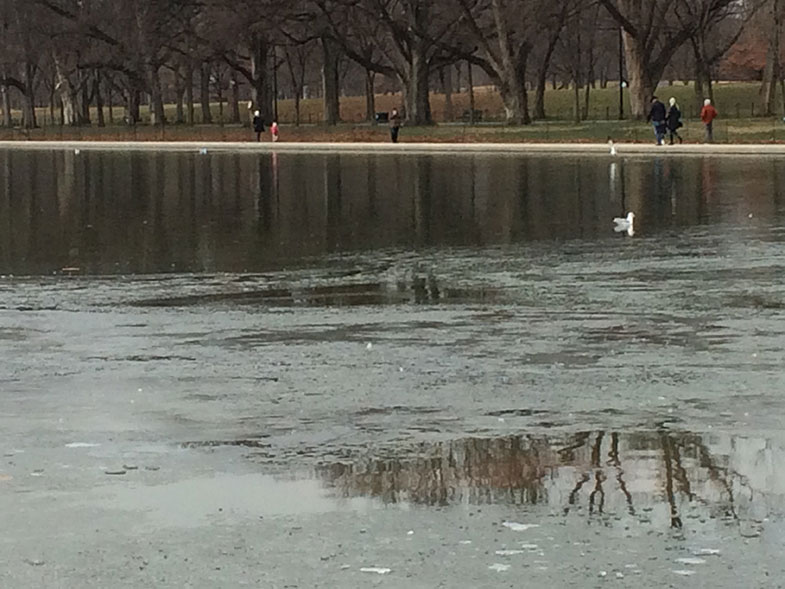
{"type": "Point", "coordinates": [517, 412]}
{"type": "Point", "coordinates": [14, 334]}
{"type": "Point", "coordinates": [563, 358]}
{"type": "Point", "coordinates": [241, 443]}
{"type": "Point", "coordinates": [244, 297]}
{"type": "Point", "coordinates": [756, 301]}
{"type": "Point", "coordinates": [397, 409]}
{"type": "Point", "coordinates": [640, 334]}
{"type": "Point", "coordinates": [29, 308]}
{"type": "Point", "coordinates": [158, 358]}
{"type": "Point", "coordinates": [145, 358]}
{"type": "Point", "coordinates": [652, 276]}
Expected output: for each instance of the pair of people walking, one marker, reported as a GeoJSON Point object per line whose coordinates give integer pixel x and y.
{"type": "Point", "coordinates": [670, 121]}
{"type": "Point", "coordinates": [665, 122]}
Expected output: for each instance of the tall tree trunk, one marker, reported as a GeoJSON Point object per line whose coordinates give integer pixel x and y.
{"type": "Point", "coordinates": [134, 96]}
{"type": "Point", "coordinates": [179, 90]}
{"type": "Point", "coordinates": [234, 94]}
{"type": "Point", "coordinates": [418, 104]}
{"type": "Point", "coordinates": [512, 87]}
{"type": "Point", "coordinates": [330, 81]}
{"type": "Point", "coordinates": [28, 100]}
{"type": "Point", "coordinates": [84, 103]}
{"type": "Point", "coordinates": [445, 77]}
{"type": "Point", "coordinates": [204, 93]}
{"type": "Point", "coordinates": [768, 90]}
{"type": "Point", "coordinates": [641, 81]}
{"type": "Point", "coordinates": [219, 94]}
{"type": "Point", "coordinates": [514, 100]}
{"type": "Point", "coordinates": [576, 94]}
{"type": "Point", "coordinates": [65, 92]}
{"type": "Point", "coordinates": [470, 83]}
{"type": "Point", "coordinates": [509, 70]}
{"type": "Point", "coordinates": [110, 102]}
{"type": "Point", "coordinates": [542, 75]}
{"type": "Point", "coordinates": [703, 85]}
{"type": "Point", "coordinates": [156, 97]}
{"type": "Point", "coordinates": [261, 94]}
{"type": "Point", "coordinates": [370, 96]}
{"type": "Point", "coordinates": [782, 93]}
{"type": "Point", "coordinates": [53, 101]}
{"type": "Point", "coordinates": [576, 67]}
{"type": "Point", "coordinates": [586, 100]}
{"type": "Point", "coordinates": [190, 115]}
{"type": "Point", "coordinates": [7, 120]}
{"type": "Point", "coordinates": [99, 98]}
{"type": "Point", "coordinates": [297, 103]}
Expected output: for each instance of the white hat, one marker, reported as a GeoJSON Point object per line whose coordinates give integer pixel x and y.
{"type": "Point", "coordinates": [707, 102]}
{"type": "Point", "coordinates": [256, 113]}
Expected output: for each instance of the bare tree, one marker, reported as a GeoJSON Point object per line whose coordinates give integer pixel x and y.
{"type": "Point", "coordinates": [505, 32]}
{"type": "Point", "coordinates": [772, 71]}
{"type": "Point", "coordinates": [411, 41]}
{"type": "Point", "coordinates": [653, 32]}
{"type": "Point", "coordinates": [297, 57]}
{"type": "Point", "coordinates": [716, 32]}
{"type": "Point", "coordinates": [552, 24]}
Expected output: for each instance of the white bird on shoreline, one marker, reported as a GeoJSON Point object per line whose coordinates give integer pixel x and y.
{"type": "Point", "coordinates": [627, 224]}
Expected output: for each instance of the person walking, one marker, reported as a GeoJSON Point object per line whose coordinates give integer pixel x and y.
{"type": "Point", "coordinates": [674, 120]}
{"type": "Point", "coordinates": [274, 131]}
{"type": "Point", "coordinates": [258, 125]}
{"type": "Point", "coordinates": [395, 125]}
{"type": "Point", "coordinates": [657, 118]}
{"type": "Point", "coordinates": [708, 114]}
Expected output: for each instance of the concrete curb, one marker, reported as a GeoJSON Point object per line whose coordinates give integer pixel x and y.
{"type": "Point", "coordinates": [596, 149]}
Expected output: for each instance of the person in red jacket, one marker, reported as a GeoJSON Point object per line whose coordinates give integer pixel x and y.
{"type": "Point", "coordinates": [708, 114]}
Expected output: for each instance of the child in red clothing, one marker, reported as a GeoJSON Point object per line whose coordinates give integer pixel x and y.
{"type": "Point", "coordinates": [274, 131]}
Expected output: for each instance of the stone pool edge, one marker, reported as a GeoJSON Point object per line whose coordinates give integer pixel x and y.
{"type": "Point", "coordinates": [597, 149]}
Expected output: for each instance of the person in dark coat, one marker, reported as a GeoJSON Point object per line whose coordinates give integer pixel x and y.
{"type": "Point", "coordinates": [258, 125]}
{"type": "Point", "coordinates": [395, 125]}
{"type": "Point", "coordinates": [674, 121]}
{"type": "Point", "coordinates": [657, 118]}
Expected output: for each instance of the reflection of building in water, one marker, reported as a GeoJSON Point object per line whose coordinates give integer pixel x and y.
{"type": "Point", "coordinates": [662, 474]}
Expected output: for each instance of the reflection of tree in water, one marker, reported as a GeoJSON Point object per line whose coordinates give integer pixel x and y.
{"type": "Point", "coordinates": [473, 470]}
{"type": "Point", "coordinates": [602, 472]}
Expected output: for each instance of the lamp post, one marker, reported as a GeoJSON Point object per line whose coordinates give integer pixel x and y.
{"type": "Point", "coordinates": [620, 34]}
{"type": "Point", "coordinates": [275, 82]}
{"type": "Point", "coordinates": [621, 73]}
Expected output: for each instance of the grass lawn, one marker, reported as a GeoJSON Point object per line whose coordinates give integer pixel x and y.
{"type": "Point", "coordinates": [736, 103]}
{"type": "Point", "coordinates": [726, 131]}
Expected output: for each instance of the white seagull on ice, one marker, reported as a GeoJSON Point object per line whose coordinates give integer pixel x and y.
{"type": "Point", "coordinates": [625, 224]}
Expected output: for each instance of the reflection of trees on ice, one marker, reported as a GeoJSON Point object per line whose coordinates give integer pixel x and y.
{"type": "Point", "coordinates": [659, 475]}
